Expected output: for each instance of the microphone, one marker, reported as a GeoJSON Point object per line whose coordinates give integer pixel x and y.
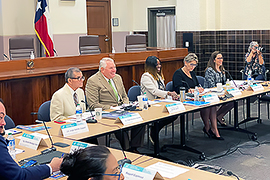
{"type": "Point", "coordinates": [186, 84]}
{"type": "Point", "coordinates": [122, 162]}
{"type": "Point", "coordinates": [231, 77]}
{"type": "Point", "coordinates": [6, 56]}
{"type": "Point", "coordinates": [53, 144]}
{"type": "Point", "coordinates": [125, 160]}
{"type": "Point", "coordinates": [51, 148]}
{"type": "Point", "coordinates": [90, 119]}
{"type": "Point", "coordinates": [138, 85]}
{"type": "Point", "coordinates": [141, 91]}
{"type": "Point", "coordinates": [188, 94]}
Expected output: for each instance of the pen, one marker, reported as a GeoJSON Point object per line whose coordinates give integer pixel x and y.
{"type": "Point", "coordinates": [62, 155]}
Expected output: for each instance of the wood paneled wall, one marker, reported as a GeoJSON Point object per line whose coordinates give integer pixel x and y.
{"type": "Point", "coordinates": [23, 91]}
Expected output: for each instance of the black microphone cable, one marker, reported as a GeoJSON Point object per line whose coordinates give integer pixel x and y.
{"type": "Point", "coordinates": [230, 173]}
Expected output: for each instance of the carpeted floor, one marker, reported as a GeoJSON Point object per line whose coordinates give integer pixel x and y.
{"type": "Point", "coordinates": [239, 154]}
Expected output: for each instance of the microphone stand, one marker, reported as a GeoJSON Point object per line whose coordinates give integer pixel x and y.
{"type": "Point", "coordinates": [188, 94]}
{"type": "Point", "coordinates": [141, 91]}
{"type": "Point", "coordinates": [138, 85]}
{"type": "Point", "coordinates": [231, 78]}
{"type": "Point", "coordinates": [51, 148]}
{"type": "Point", "coordinates": [53, 144]}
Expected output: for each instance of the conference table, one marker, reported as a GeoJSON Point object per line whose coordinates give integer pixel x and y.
{"type": "Point", "coordinates": [157, 113]}
{"type": "Point", "coordinates": [137, 159]}
{"type": "Point", "coordinates": [152, 115]}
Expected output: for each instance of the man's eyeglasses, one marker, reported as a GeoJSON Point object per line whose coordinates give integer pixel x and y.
{"type": "Point", "coordinates": [79, 78]}
{"type": "Point", "coordinates": [117, 173]}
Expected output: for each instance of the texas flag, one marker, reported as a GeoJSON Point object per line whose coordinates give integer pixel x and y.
{"type": "Point", "coordinates": [42, 27]}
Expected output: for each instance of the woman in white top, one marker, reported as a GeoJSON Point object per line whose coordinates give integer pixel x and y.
{"type": "Point", "coordinates": [152, 82]}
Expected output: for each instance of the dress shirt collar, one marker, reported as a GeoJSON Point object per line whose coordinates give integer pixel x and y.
{"type": "Point", "coordinates": [105, 78]}
{"type": "Point", "coordinates": [71, 90]}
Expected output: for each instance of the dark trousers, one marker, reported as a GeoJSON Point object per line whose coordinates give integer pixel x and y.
{"type": "Point", "coordinates": [161, 124]}
{"type": "Point", "coordinates": [136, 140]}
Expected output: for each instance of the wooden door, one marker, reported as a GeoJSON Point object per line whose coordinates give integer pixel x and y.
{"type": "Point", "coordinates": [99, 22]}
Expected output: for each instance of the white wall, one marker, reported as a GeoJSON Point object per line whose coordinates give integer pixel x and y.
{"type": "Point", "coordinates": [132, 14]}
{"type": "Point", "coordinates": [188, 15]}
{"type": "Point", "coordinates": [18, 17]}
{"type": "Point", "coordinates": [244, 14]}
{"type": "Point", "coordinates": [122, 9]}
{"type": "Point", "coordinates": [68, 17]}
{"type": "Point", "coordinates": [140, 16]}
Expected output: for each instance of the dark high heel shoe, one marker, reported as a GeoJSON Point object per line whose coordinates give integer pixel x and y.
{"type": "Point", "coordinates": [222, 122]}
{"type": "Point", "coordinates": [214, 136]}
{"type": "Point", "coordinates": [205, 132]}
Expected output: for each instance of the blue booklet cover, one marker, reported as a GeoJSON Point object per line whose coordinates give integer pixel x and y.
{"type": "Point", "coordinates": [115, 114]}
{"type": "Point", "coordinates": [31, 127]}
{"type": "Point", "coordinates": [195, 103]}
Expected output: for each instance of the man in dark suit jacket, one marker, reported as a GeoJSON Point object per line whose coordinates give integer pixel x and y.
{"type": "Point", "coordinates": [104, 90]}
{"type": "Point", "coordinates": [10, 169]}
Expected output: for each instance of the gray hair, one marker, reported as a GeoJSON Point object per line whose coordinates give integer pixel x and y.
{"type": "Point", "coordinates": [103, 62]}
{"type": "Point", "coordinates": [253, 43]}
{"type": "Point", "coordinates": [191, 57]}
{"type": "Point", "coordinates": [70, 73]}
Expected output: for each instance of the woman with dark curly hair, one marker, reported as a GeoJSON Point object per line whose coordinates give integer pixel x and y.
{"type": "Point", "coordinates": [91, 163]}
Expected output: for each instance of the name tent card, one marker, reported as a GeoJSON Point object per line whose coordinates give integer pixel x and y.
{"type": "Point", "coordinates": [74, 128]}
{"type": "Point", "coordinates": [211, 98]}
{"type": "Point", "coordinates": [234, 92]}
{"type": "Point", "coordinates": [256, 87]}
{"type": "Point", "coordinates": [175, 107]}
{"type": "Point", "coordinates": [130, 118]}
{"type": "Point", "coordinates": [31, 141]}
{"type": "Point", "coordinates": [78, 145]}
{"type": "Point", "coordinates": [133, 172]}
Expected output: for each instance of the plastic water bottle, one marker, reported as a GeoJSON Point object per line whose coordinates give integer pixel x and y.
{"type": "Point", "coordinates": [32, 56]}
{"type": "Point", "coordinates": [196, 94]}
{"type": "Point", "coordinates": [11, 145]}
{"type": "Point", "coordinates": [228, 84]}
{"type": "Point", "coordinates": [113, 50]}
{"type": "Point", "coordinates": [145, 101]}
{"type": "Point", "coordinates": [78, 113]}
{"type": "Point", "coordinates": [249, 77]}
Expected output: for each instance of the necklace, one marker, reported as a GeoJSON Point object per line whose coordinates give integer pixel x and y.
{"type": "Point", "coordinates": [186, 72]}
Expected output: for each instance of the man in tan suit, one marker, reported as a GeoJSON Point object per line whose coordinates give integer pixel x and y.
{"type": "Point", "coordinates": [105, 89]}
{"type": "Point", "coordinates": [99, 91]}
{"type": "Point", "coordinates": [64, 100]}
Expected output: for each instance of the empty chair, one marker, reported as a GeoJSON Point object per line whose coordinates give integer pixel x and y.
{"type": "Point", "coordinates": [9, 123]}
{"type": "Point", "coordinates": [201, 80]}
{"type": "Point", "coordinates": [89, 44]}
{"type": "Point", "coordinates": [44, 112]}
{"type": "Point", "coordinates": [136, 42]}
{"type": "Point", "coordinates": [133, 92]}
{"type": "Point", "coordinates": [21, 47]}
{"type": "Point", "coordinates": [242, 71]}
{"type": "Point", "coordinates": [169, 86]}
